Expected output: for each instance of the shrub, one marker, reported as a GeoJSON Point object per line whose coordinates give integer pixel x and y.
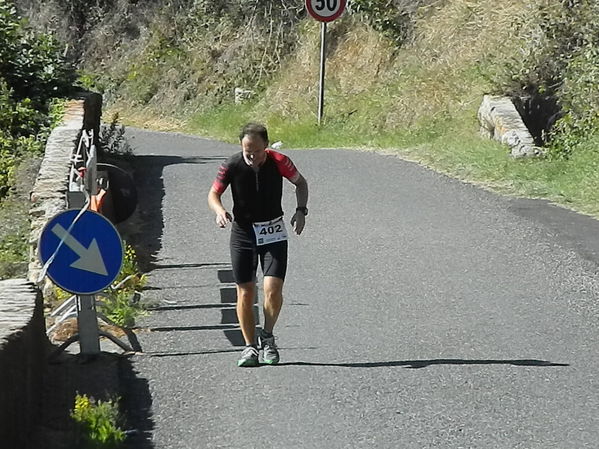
{"type": "Point", "coordinates": [11, 151]}
{"type": "Point", "coordinates": [113, 140]}
{"type": "Point", "coordinates": [32, 72]}
{"type": "Point", "coordinates": [121, 308]}
{"type": "Point", "coordinates": [31, 63]}
{"type": "Point", "coordinates": [12, 249]}
{"type": "Point", "coordinates": [119, 303]}
{"type": "Point", "coordinates": [97, 423]}
{"type": "Point", "coordinates": [561, 60]}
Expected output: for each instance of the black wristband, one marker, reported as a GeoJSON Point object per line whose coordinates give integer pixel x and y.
{"type": "Point", "coordinates": [303, 210]}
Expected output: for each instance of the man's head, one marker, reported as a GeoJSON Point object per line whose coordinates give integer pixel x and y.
{"type": "Point", "coordinates": [254, 141]}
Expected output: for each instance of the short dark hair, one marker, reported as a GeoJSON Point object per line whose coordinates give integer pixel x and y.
{"type": "Point", "coordinates": [254, 129]}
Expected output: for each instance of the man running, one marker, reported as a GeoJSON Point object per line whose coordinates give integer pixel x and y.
{"type": "Point", "coordinates": [258, 232]}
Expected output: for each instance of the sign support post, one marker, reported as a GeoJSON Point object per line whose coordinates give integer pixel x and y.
{"type": "Point", "coordinates": [324, 11]}
{"type": "Point", "coordinates": [323, 46]}
{"type": "Point", "coordinates": [87, 320]}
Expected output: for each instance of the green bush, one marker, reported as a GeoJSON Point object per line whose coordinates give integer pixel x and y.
{"type": "Point", "coordinates": [31, 63]}
{"type": "Point", "coordinates": [98, 423]}
{"type": "Point", "coordinates": [12, 249]}
{"type": "Point", "coordinates": [113, 141]}
{"type": "Point", "coordinates": [118, 304]}
{"type": "Point", "coordinates": [23, 131]}
{"type": "Point", "coordinates": [579, 98]}
{"type": "Point", "coordinates": [561, 59]}
{"type": "Point", "coordinates": [32, 73]}
{"type": "Point", "coordinates": [11, 151]}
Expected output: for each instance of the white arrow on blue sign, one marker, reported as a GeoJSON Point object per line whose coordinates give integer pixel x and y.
{"type": "Point", "coordinates": [90, 257]}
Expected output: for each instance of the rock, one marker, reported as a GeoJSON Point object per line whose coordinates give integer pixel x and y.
{"type": "Point", "coordinates": [499, 120]}
{"type": "Point", "coordinates": [242, 95]}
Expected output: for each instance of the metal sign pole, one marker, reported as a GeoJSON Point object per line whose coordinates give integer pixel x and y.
{"type": "Point", "coordinates": [323, 45]}
{"type": "Point", "coordinates": [89, 338]}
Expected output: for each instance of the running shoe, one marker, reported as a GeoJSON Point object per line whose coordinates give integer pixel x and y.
{"type": "Point", "coordinates": [270, 354]}
{"type": "Point", "coordinates": [249, 357]}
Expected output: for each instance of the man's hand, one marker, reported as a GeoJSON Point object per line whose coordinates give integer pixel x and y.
{"type": "Point", "coordinates": [222, 218]}
{"type": "Point", "coordinates": [298, 221]}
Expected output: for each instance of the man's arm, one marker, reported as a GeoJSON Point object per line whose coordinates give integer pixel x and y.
{"type": "Point", "coordinates": [301, 194]}
{"type": "Point", "coordinates": [215, 203]}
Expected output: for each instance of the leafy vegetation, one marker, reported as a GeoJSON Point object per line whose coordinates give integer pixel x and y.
{"type": "Point", "coordinates": [33, 76]}
{"type": "Point", "coordinates": [560, 46]}
{"type": "Point", "coordinates": [13, 249]}
{"type": "Point", "coordinates": [120, 302]}
{"type": "Point", "coordinates": [31, 63]}
{"type": "Point", "coordinates": [98, 423]}
{"type": "Point", "coordinates": [113, 141]}
{"type": "Point", "coordinates": [121, 307]}
{"type": "Point", "coordinates": [32, 73]}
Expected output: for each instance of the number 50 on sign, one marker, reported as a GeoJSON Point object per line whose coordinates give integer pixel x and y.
{"type": "Point", "coordinates": [325, 10]}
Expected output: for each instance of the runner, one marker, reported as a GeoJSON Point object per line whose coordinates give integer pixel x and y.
{"type": "Point", "coordinates": [258, 232]}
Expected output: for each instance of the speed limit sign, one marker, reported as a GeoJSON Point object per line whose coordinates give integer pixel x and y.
{"type": "Point", "coordinates": [325, 10]}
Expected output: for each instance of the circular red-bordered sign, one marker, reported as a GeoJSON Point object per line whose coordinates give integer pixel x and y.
{"type": "Point", "coordinates": [325, 10]}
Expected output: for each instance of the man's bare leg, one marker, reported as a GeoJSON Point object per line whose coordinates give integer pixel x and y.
{"type": "Point", "coordinates": [245, 311]}
{"type": "Point", "coordinates": [273, 301]}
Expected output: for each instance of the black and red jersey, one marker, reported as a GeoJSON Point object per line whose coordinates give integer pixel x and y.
{"type": "Point", "coordinates": [256, 194]}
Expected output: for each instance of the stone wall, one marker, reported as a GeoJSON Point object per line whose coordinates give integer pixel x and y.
{"type": "Point", "coordinates": [23, 342]}
{"type": "Point", "coordinates": [49, 195]}
{"type": "Point", "coordinates": [23, 346]}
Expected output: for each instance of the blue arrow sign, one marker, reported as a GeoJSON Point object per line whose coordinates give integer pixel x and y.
{"type": "Point", "coordinates": [90, 256]}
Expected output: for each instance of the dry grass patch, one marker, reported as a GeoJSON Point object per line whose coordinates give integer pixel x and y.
{"type": "Point", "coordinates": [146, 118]}
{"type": "Point", "coordinates": [361, 59]}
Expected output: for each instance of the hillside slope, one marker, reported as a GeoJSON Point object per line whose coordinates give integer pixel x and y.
{"type": "Point", "coordinates": [186, 56]}
{"type": "Point", "coordinates": [401, 75]}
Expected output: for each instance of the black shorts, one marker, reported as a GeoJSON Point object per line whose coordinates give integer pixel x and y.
{"type": "Point", "coordinates": [245, 253]}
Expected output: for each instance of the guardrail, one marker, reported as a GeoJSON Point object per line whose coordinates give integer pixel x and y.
{"type": "Point", "coordinates": [83, 194]}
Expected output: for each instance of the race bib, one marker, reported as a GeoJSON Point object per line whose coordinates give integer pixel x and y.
{"type": "Point", "coordinates": [270, 231]}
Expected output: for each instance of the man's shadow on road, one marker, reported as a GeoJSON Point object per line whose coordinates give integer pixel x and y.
{"type": "Point", "coordinates": [410, 364]}
{"type": "Point", "coordinates": [417, 364]}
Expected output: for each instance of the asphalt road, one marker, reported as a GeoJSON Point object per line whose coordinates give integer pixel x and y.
{"type": "Point", "coordinates": [419, 312]}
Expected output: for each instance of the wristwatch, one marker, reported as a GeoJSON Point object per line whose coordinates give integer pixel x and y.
{"type": "Point", "coordinates": [303, 210]}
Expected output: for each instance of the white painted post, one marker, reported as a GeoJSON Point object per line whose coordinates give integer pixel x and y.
{"type": "Point", "coordinates": [323, 45]}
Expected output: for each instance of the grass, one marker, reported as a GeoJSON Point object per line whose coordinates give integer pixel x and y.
{"type": "Point", "coordinates": [450, 146]}
{"type": "Point", "coordinates": [14, 247]}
